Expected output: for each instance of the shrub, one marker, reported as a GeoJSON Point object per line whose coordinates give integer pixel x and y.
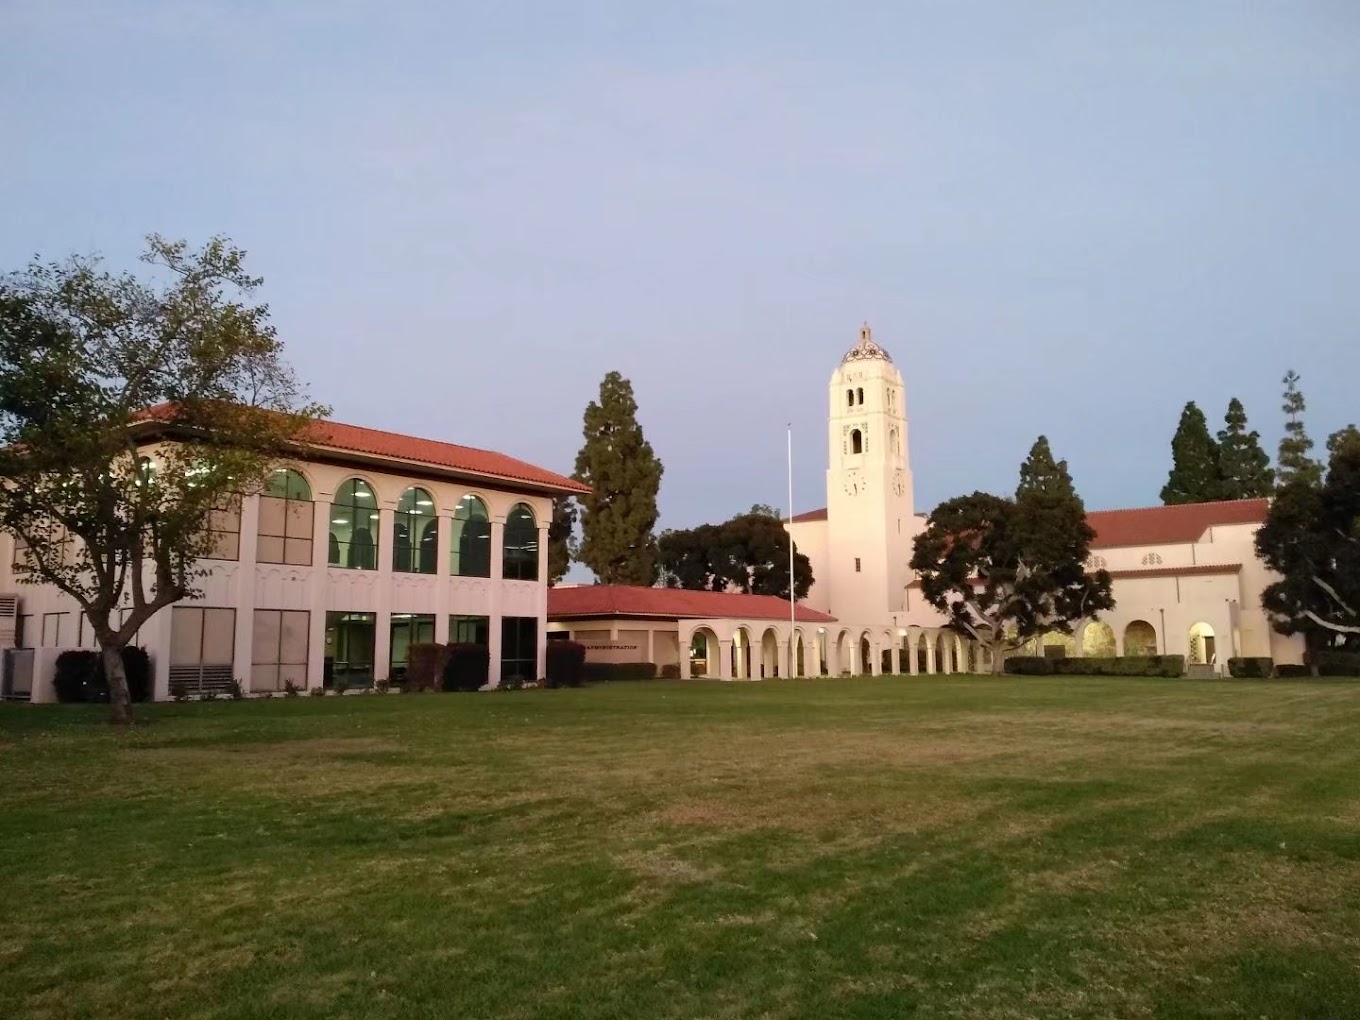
{"type": "Point", "coordinates": [1122, 665]}
{"type": "Point", "coordinates": [594, 672]}
{"type": "Point", "coordinates": [670, 671]}
{"type": "Point", "coordinates": [316, 692]}
{"type": "Point", "coordinates": [80, 675]}
{"type": "Point", "coordinates": [1336, 663]}
{"type": "Point", "coordinates": [1030, 665]}
{"type": "Point", "coordinates": [566, 660]}
{"type": "Point", "coordinates": [425, 667]}
{"type": "Point", "coordinates": [290, 689]}
{"type": "Point", "coordinates": [467, 667]}
{"type": "Point", "coordinates": [1255, 667]}
{"type": "Point", "coordinates": [1292, 670]}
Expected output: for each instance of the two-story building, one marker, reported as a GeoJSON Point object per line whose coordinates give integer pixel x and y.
{"type": "Point", "coordinates": [366, 543]}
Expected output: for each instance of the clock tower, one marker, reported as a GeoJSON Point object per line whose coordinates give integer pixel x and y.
{"type": "Point", "coordinates": [871, 518]}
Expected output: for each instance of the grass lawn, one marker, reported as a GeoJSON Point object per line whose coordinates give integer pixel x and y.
{"type": "Point", "coordinates": [926, 847]}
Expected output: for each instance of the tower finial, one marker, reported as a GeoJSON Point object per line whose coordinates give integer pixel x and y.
{"type": "Point", "coordinates": [866, 349]}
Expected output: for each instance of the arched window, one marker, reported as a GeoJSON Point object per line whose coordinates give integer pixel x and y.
{"type": "Point", "coordinates": [849, 398]}
{"type": "Point", "coordinates": [860, 394]}
{"type": "Point", "coordinates": [354, 525]}
{"type": "Point", "coordinates": [415, 533]}
{"type": "Point", "coordinates": [894, 442]}
{"type": "Point", "coordinates": [856, 441]}
{"type": "Point", "coordinates": [286, 520]}
{"type": "Point", "coordinates": [521, 545]}
{"type": "Point", "coordinates": [470, 551]}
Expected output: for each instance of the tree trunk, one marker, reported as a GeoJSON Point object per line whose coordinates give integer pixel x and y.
{"type": "Point", "coordinates": [120, 699]}
{"type": "Point", "coordinates": [998, 656]}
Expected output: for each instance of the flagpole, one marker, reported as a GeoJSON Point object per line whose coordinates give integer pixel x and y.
{"type": "Point", "coordinates": [793, 614]}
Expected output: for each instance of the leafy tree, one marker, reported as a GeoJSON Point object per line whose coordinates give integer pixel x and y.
{"type": "Point", "coordinates": [131, 414]}
{"type": "Point", "coordinates": [560, 538]}
{"type": "Point", "coordinates": [765, 510]}
{"type": "Point", "coordinates": [1245, 467]}
{"type": "Point", "coordinates": [749, 553]}
{"type": "Point", "coordinates": [619, 513]}
{"type": "Point", "coordinates": [1008, 570]}
{"type": "Point", "coordinates": [1294, 461]}
{"type": "Point", "coordinates": [1196, 476]}
{"type": "Point", "coordinates": [696, 559]}
{"type": "Point", "coordinates": [1341, 437]}
{"type": "Point", "coordinates": [1311, 537]}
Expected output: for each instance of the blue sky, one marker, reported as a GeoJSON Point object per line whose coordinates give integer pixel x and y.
{"type": "Point", "coordinates": [1059, 218]}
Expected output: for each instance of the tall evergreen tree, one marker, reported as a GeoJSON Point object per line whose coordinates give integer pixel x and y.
{"type": "Point", "coordinates": [560, 538]}
{"type": "Point", "coordinates": [1196, 476]}
{"type": "Point", "coordinates": [1295, 463]}
{"type": "Point", "coordinates": [1244, 465]}
{"type": "Point", "coordinates": [1040, 473]}
{"type": "Point", "coordinates": [624, 475]}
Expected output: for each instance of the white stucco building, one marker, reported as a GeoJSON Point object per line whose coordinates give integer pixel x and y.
{"type": "Point", "coordinates": [1186, 578]}
{"type": "Point", "coordinates": [368, 543]}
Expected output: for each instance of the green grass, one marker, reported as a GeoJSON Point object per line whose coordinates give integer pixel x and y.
{"type": "Point", "coordinates": [927, 847]}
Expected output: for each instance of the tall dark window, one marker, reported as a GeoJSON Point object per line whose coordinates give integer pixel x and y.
{"type": "Point", "coordinates": [849, 398]}
{"type": "Point", "coordinates": [415, 533]}
{"type": "Point", "coordinates": [350, 640]}
{"type": "Point", "coordinates": [521, 545]}
{"type": "Point", "coordinates": [285, 530]}
{"type": "Point", "coordinates": [859, 394]}
{"type": "Point", "coordinates": [354, 527]}
{"type": "Point", "coordinates": [470, 630]}
{"type": "Point", "coordinates": [519, 648]}
{"type": "Point", "coordinates": [470, 550]}
{"type": "Point", "coordinates": [856, 441]}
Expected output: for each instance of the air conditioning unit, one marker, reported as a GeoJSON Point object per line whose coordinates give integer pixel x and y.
{"type": "Point", "coordinates": [9, 619]}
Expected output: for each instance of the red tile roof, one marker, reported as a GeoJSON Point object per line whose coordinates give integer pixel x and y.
{"type": "Point", "coordinates": [673, 603]}
{"type": "Point", "coordinates": [1141, 572]}
{"type": "Point", "coordinates": [339, 439]}
{"type": "Point", "coordinates": [1153, 525]}
{"type": "Point", "coordinates": [1170, 525]}
{"type": "Point", "coordinates": [336, 435]}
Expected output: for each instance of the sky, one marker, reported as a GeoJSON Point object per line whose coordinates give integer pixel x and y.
{"type": "Point", "coordinates": [1059, 218]}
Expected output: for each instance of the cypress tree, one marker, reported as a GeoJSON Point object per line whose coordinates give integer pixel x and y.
{"type": "Point", "coordinates": [1195, 476]}
{"type": "Point", "coordinates": [559, 538]}
{"type": "Point", "coordinates": [1041, 474]}
{"type": "Point", "coordinates": [624, 476]}
{"type": "Point", "coordinates": [1244, 465]}
{"type": "Point", "coordinates": [1295, 465]}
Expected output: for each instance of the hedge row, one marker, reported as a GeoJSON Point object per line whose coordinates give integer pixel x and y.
{"type": "Point", "coordinates": [1123, 665]}
{"type": "Point", "coordinates": [606, 671]}
{"type": "Point", "coordinates": [80, 675]}
{"type": "Point", "coordinates": [1329, 663]}
{"type": "Point", "coordinates": [566, 663]}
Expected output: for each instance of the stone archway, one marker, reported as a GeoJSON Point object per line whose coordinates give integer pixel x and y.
{"type": "Point", "coordinates": [1203, 645]}
{"type": "Point", "coordinates": [865, 652]}
{"type": "Point", "coordinates": [1140, 638]}
{"type": "Point", "coordinates": [741, 654]}
{"type": "Point", "coordinates": [704, 649]}
{"type": "Point", "coordinates": [845, 659]}
{"type": "Point", "coordinates": [1097, 640]}
{"type": "Point", "coordinates": [769, 653]}
{"type": "Point", "coordinates": [924, 663]}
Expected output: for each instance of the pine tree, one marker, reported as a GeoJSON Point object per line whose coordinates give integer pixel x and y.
{"type": "Point", "coordinates": [560, 538]}
{"type": "Point", "coordinates": [1245, 467]}
{"type": "Point", "coordinates": [624, 475]}
{"type": "Point", "coordinates": [1295, 465]}
{"type": "Point", "coordinates": [1040, 473]}
{"type": "Point", "coordinates": [1196, 476]}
